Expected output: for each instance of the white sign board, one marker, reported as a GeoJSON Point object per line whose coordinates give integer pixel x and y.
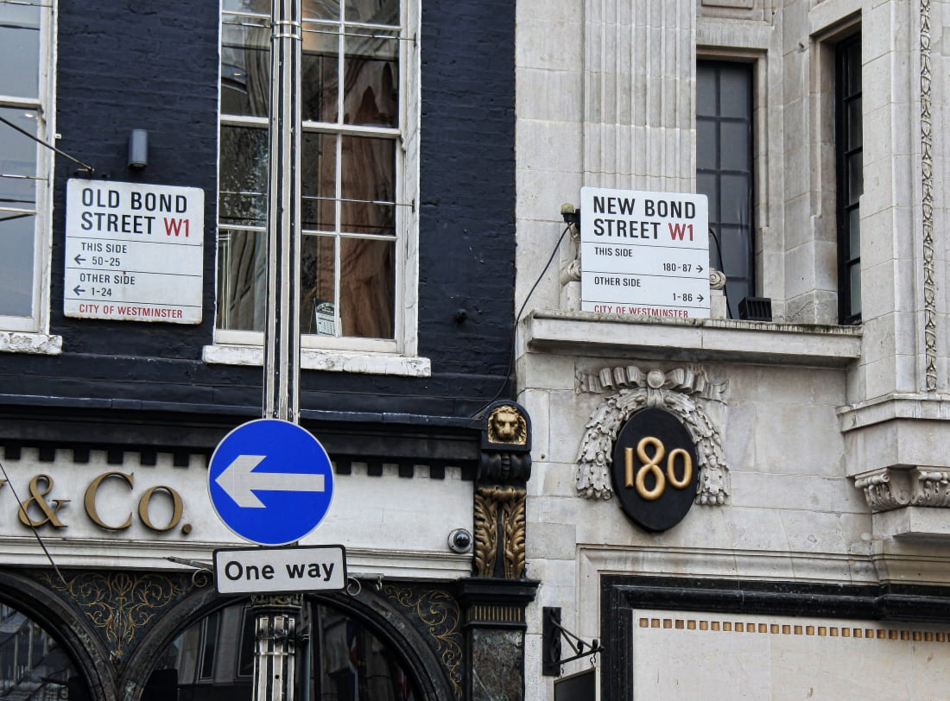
{"type": "Point", "coordinates": [644, 253]}
{"type": "Point", "coordinates": [134, 252]}
{"type": "Point", "coordinates": [266, 570]}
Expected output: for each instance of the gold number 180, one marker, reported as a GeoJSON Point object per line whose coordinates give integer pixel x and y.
{"type": "Point", "coordinates": [652, 465]}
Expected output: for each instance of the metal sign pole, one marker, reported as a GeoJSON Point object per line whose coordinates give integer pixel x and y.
{"type": "Point", "coordinates": [276, 616]}
{"type": "Point", "coordinates": [282, 332]}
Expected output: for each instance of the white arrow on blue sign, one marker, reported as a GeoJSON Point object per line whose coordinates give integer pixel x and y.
{"type": "Point", "coordinates": [270, 481]}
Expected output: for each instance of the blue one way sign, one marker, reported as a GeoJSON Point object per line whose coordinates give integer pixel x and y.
{"type": "Point", "coordinates": [270, 482]}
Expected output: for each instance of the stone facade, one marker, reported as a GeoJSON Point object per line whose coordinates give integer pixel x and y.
{"type": "Point", "coordinates": [834, 464]}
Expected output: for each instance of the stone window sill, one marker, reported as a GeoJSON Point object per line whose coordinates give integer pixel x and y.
{"type": "Point", "coordinates": [752, 342]}
{"type": "Point", "coordinates": [327, 360]}
{"type": "Point", "coordinates": [34, 343]}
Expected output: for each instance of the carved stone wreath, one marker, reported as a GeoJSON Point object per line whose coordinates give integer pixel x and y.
{"type": "Point", "coordinates": [678, 392]}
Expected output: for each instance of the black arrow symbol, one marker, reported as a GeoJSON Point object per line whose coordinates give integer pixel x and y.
{"type": "Point", "coordinates": [701, 298]}
{"type": "Point", "coordinates": [699, 268]}
{"type": "Point", "coordinates": [79, 260]}
{"type": "Point", "coordinates": [78, 290]}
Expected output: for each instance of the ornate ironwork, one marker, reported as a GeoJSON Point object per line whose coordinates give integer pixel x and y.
{"type": "Point", "coordinates": [121, 605]}
{"type": "Point", "coordinates": [437, 615]}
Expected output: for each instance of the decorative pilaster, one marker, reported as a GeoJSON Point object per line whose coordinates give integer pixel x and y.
{"type": "Point", "coordinates": [927, 201]}
{"type": "Point", "coordinates": [503, 471]}
{"type": "Point", "coordinates": [639, 94]}
{"type": "Point", "coordinates": [495, 598]}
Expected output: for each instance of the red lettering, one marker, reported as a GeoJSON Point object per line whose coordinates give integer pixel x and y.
{"type": "Point", "coordinates": [174, 226]}
{"type": "Point", "coordinates": [678, 231]}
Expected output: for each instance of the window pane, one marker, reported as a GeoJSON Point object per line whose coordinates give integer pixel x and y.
{"type": "Point", "coordinates": [707, 184]}
{"type": "Point", "coordinates": [854, 233]}
{"type": "Point", "coordinates": [736, 191]}
{"type": "Point", "coordinates": [33, 665]}
{"type": "Point", "coordinates": [321, 48]}
{"type": "Point", "coordinates": [245, 68]}
{"type": "Point", "coordinates": [849, 164]}
{"type": "Point", "coordinates": [367, 287]}
{"type": "Point", "coordinates": [368, 187]}
{"type": "Point", "coordinates": [242, 279]}
{"type": "Point", "coordinates": [727, 181]}
{"type": "Point", "coordinates": [372, 79]}
{"type": "Point", "coordinates": [321, 9]}
{"type": "Point", "coordinates": [853, 69]}
{"type": "Point", "coordinates": [318, 178]}
{"type": "Point", "coordinates": [735, 88]}
{"type": "Point", "coordinates": [20, 49]}
{"type": "Point", "coordinates": [706, 158]}
{"type": "Point", "coordinates": [855, 276]}
{"type": "Point", "coordinates": [261, 7]}
{"type": "Point", "coordinates": [736, 253]}
{"type": "Point", "coordinates": [735, 147]}
{"type": "Point", "coordinates": [243, 176]}
{"type": "Point", "coordinates": [344, 657]}
{"type": "Point", "coordinates": [18, 160]}
{"type": "Point", "coordinates": [246, 659]}
{"type": "Point", "coordinates": [855, 167]}
{"type": "Point", "coordinates": [854, 125]}
{"type": "Point", "coordinates": [317, 296]}
{"type": "Point", "coordinates": [706, 91]}
{"type": "Point", "coordinates": [16, 264]}
{"type": "Point", "coordinates": [373, 11]}
{"type": "Point", "coordinates": [209, 645]}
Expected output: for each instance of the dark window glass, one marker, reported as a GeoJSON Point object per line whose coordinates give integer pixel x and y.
{"type": "Point", "coordinates": [724, 171]}
{"type": "Point", "coordinates": [32, 664]}
{"type": "Point", "coordinates": [209, 644]}
{"type": "Point", "coordinates": [850, 176]}
{"type": "Point", "coordinates": [340, 659]}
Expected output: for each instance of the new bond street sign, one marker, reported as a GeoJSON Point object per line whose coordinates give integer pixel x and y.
{"type": "Point", "coordinates": [270, 482]}
{"type": "Point", "coordinates": [644, 253]}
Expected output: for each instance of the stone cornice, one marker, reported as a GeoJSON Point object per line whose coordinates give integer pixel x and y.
{"type": "Point", "coordinates": [691, 340]}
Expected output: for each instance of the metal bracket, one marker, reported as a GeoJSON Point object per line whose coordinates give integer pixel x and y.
{"type": "Point", "coordinates": [551, 633]}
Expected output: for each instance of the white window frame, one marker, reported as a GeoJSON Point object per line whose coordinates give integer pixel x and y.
{"type": "Point", "coordinates": [353, 354]}
{"type": "Point", "coordinates": [20, 333]}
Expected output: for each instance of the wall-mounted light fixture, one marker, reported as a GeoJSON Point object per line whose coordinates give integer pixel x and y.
{"type": "Point", "coordinates": [138, 149]}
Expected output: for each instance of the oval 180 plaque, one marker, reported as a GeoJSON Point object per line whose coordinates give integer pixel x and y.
{"type": "Point", "coordinates": [655, 470]}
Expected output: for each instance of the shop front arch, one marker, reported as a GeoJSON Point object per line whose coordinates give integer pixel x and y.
{"type": "Point", "coordinates": [46, 650]}
{"type": "Point", "coordinates": [349, 647]}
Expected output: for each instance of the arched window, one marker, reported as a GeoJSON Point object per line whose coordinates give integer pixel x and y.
{"type": "Point", "coordinates": [339, 658]}
{"type": "Point", "coordinates": [32, 664]}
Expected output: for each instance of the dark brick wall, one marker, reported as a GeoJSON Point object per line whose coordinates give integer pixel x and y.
{"type": "Point", "coordinates": [127, 64]}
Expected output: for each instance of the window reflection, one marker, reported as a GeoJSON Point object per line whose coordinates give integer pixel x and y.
{"type": "Point", "coordinates": [350, 78]}
{"type": "Point", "coordinates": [32, 665]}
{"type": "Point", "coordinates": [339, 659]}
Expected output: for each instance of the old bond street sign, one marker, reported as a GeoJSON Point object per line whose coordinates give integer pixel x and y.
{"type": "Point", "coordinates": [644, 253]}
{"type": "Point", "coordinates": [134, 252]}
{"type": "Point", "coordinates": [655, 469]}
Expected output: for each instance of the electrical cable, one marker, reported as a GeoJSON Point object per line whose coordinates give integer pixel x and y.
{"type": "Point", "coordinates": [32, 527]}
{"type": "Point", "coordinates": [725, 292]}
{"type": "Point", "coordinates": [514, 328]}
{"type": "Point", "coordinates": [88, 168]}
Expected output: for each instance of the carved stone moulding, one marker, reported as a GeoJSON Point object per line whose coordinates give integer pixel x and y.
{"type": "Point", "coordinates": [900, 486]}
{"type": "Point", "coordinates": [682, 392]}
